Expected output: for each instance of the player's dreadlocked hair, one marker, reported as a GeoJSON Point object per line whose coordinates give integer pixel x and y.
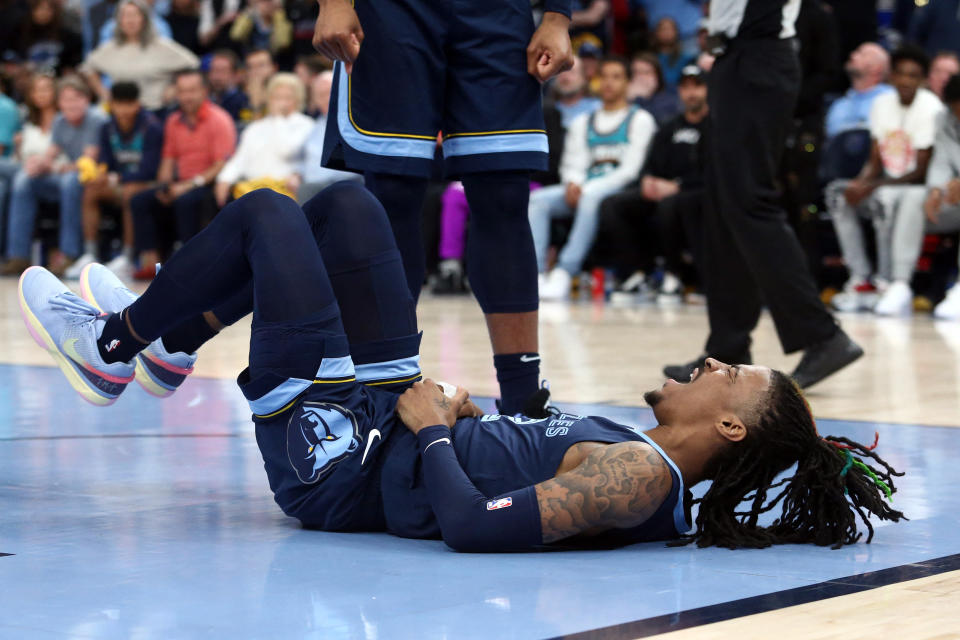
{"type": "Point", "coordinates": [820, 503]}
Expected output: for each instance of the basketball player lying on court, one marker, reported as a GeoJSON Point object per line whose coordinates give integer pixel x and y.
{"type": "Point", "coordinates": [332, 380]}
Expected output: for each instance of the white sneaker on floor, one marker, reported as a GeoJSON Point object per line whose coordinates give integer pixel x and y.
{"type": "Point", "coordinates": [857, 295]}
{"type": "Point", "coordinates": [556, 286]}
{"type": "Point", "coordinates": [671, 290]}
{"type": "Point", "coordinates": [949, 307]}
{"type": "Point", "coordinates": [121, 267]}
{"type": "Point", "coordinates": [897, 300]}
{"type": "Point", "coordinates": [73, 271]}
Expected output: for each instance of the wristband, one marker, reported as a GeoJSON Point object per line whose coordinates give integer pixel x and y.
{"type": "Point", "coordinates": [557, 6]}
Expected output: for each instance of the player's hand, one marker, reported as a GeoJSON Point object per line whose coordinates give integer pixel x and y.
{"type": "Point", "coordinates": [338, 34]}
{"type": "Point", "coordinates": [572, 195]}
{"type": "Point", "coordinates": [549, 51]}
{"type": "Point", "coordinates": [424, 404]}
{"type": "Point", "coordinates": [953, 192]}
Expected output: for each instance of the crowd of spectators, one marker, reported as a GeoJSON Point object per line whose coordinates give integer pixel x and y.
{"type": "Point", "coordinates": [125, 125]}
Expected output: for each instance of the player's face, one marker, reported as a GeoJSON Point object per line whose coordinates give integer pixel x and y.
{"type": "Point", "coordinates": [715, 390]}
{"type": "Point", "coordinates": [613, 82]}
{"type": "Point", "coordinates": [906, 78]}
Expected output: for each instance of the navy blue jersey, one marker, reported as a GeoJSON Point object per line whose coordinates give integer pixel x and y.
{"type": "Point", "coordinates": [504, 453]}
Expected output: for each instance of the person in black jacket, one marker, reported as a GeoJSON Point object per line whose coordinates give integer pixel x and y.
{"type": "Point", "coordinates": [671, 186]}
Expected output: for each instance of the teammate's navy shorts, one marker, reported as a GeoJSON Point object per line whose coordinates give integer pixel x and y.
{"type": "Point", "coordinates": [459, 67]}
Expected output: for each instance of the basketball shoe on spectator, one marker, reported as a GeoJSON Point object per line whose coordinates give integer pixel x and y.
{"type": "Point", "coordinates": [949, 307]}
{"type": "Point", "coordinates": [158, 371]}
{"type": "Point", "coordinates": [68, 328]}
{"type": "Point", "coordinates": [73, 271]}
{"type": "Point", "coordinates": [121, 266]}
{"type": "Point", "coordinates": [897, 300]}
{"type": "Point", "coordinates": [556, 286]}
{"type": "Point", "coordinates": [856, 296]}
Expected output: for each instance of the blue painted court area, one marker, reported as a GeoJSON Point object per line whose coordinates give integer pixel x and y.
{"type": "Point", "coordinates": [153, 519]}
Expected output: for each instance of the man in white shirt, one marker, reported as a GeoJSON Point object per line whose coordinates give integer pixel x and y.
{"type": "Point", "coordinates": [603, 153]}
{"type": "Point", "coordinates": [941, 206]}
{"type": "Point", "coordinates": [888, 188]}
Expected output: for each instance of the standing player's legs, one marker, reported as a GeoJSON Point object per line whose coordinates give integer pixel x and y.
{"type": "Point", "coordinates": [384, 116]}
{"type": "Point", "coordinates": [493, 136]}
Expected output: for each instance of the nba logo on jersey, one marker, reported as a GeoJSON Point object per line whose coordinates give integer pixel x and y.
{"type": "Point", "coordinates": [502, 503]}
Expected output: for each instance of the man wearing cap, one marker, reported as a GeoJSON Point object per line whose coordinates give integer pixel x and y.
{"type": "Point", "coordinates": [751, 256]}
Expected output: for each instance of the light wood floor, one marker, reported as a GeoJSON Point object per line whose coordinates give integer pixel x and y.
{"type": "Point", "coordinates": [611, 355]}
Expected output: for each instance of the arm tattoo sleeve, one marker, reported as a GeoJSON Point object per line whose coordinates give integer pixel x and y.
{"type": "Point", "coordinates": [616, 486]}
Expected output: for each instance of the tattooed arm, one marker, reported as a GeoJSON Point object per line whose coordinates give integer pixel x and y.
{"type": "Point", "coordinates": [616, 486]}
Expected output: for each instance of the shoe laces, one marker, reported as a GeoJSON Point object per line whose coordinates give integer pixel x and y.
{"type": "Point", "coordinates": [78, 311]}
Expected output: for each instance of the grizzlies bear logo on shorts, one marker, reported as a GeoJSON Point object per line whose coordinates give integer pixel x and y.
{"type": "Point", "coordinates": [319, 435]}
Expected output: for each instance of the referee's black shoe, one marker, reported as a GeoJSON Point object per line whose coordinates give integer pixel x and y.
{"type": "Point", "coordinates": [682, 372]}
{"type": "Point", "coordinates": [826, 358]}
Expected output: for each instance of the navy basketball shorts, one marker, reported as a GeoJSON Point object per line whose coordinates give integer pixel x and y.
{"type": "Point", "coordinates": [324, 436]}
{"type": "Point", "coordinates": [456, 67]}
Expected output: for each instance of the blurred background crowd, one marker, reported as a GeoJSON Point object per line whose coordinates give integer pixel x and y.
{"type": "Point", "coordinates": [125, 125]}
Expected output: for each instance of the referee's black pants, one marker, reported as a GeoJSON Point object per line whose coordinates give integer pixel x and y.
{"type": "Point", "coordinates": [750, 254]}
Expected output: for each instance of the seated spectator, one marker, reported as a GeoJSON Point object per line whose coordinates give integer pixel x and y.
{"type": "Point", "coordinates": [137, 54]}
{"type": "Point", "coordinates": [223, 79]}
{"type": "Point", "coordinates": [32, 140]}
{"type": "Point", "coordinates": [130, 144]}
{"type": "Point", "coordinates": [52, 176]}
{"type": "Point", "coordinates": [46, 41]}
{"type": "Point", "coordinates": [263, 25]}
{"type": "Point", "coordinates": [902, 133]}
{"type": "Point", "coordinates": [671, 186]}
{"type": "Point", "coordinates": [941, 208]}
{"type": "Point", "coordinates": [589, 24]}
{"type": "Point", "coordinates": [270, 153]}
{"type": "Point", "coordinates": [666, 44]}
{"type": "Point", "coordinates": [13, 14]}
{"type": "Point", "coordinates": [197, 140]}
{"type": "Point", "coordinates": [570, 93]}
{"type": "Point", "coordinates": [184, 20]}
{"type": "Point", "coordinates": [303, 16]}
{"type": "Point", "coordinates": [686, 13]}
{"type": "Point", "coordinates": [316, 177]}
{"type": "Point", "coordinates": [9, 121]}
{"type": "Point", "coordinates": [160, 25]}
{"type": "Point", "coordinates": [943, 67]}
{"type": "Point", "coordinates": [867, 69]}
{"type": "Point", "coordinates": [603, 153]}
{"type": "Point", "coordinates": [307, 68]}
{"type": "Point", "coordinates": [259, 67]}
{"type": "Point", "coordinates": [647, 90]}
{"type": "Point", "coordinates": [936, 27]}
{"type": "Point", "coordinates": [216, 18]}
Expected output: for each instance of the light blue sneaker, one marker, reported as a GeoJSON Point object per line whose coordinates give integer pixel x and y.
{"type": "Point", "coordinates": [159, 372]}
{"type": "Point", "coordinates": [68, 328]}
